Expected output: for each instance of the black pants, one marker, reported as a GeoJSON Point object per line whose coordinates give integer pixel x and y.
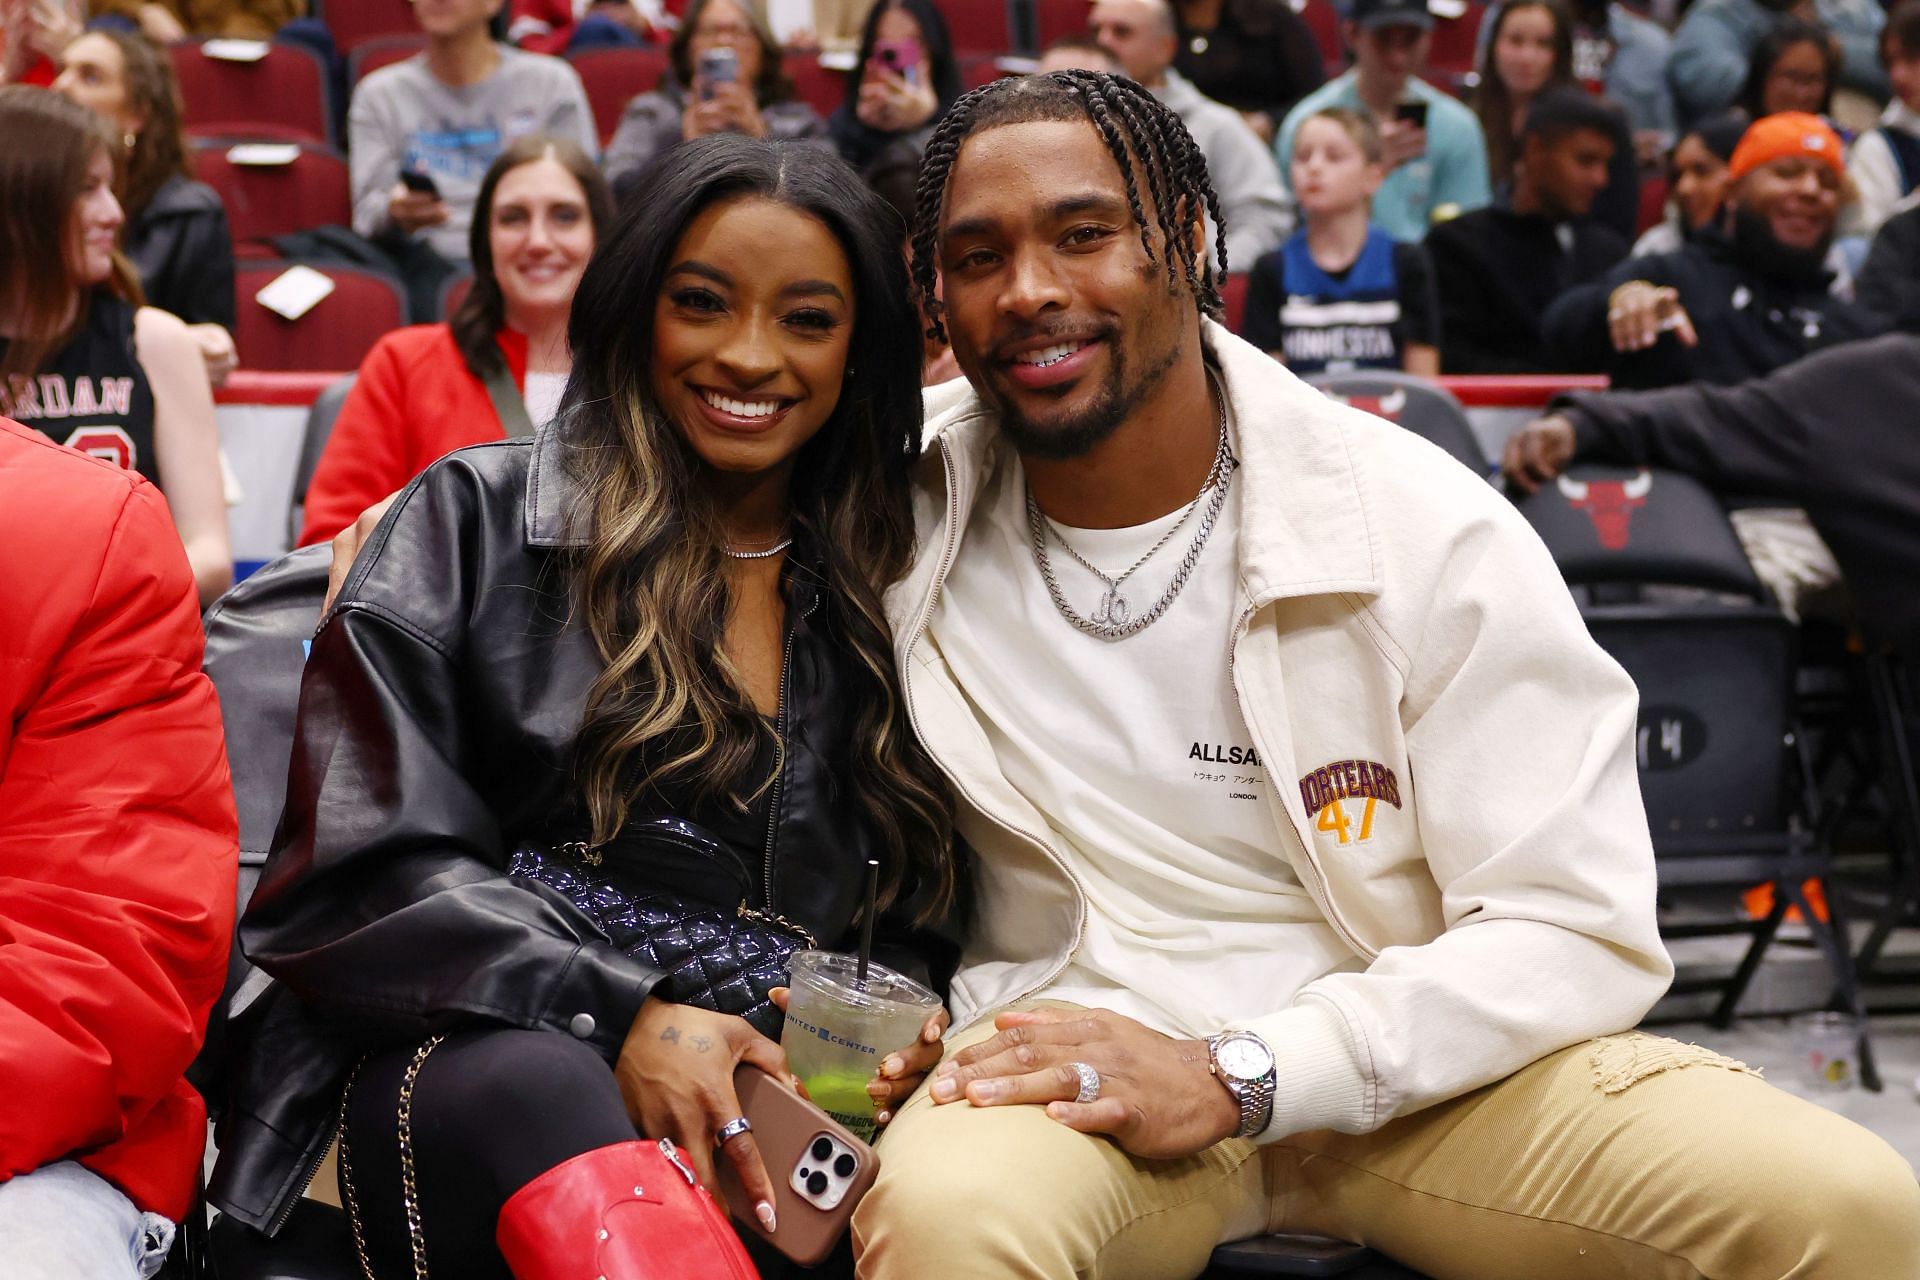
{"type": "Point", "coordinates": [492, 1110]}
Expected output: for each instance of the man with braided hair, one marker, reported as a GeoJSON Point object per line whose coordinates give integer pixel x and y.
{"type": "Point", "coordinates": [1313, 886]}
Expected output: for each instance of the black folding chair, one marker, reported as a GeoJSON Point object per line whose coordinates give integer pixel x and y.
{"type": "Point", "coordinates": [1422, 407]}
{"type": "Point", "coordinates": [1671, 595]}
{"type": "Point", "coordinates": [313, 442]}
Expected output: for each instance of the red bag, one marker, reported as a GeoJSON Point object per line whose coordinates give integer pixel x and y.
{"type": "Point", "coordinates": [631, 1211]}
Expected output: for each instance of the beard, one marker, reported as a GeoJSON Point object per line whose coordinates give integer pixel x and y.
{"type": "Point", "coordinates": [1079, 433]}
{"type": "Point", "coordinates": [1759, 248]}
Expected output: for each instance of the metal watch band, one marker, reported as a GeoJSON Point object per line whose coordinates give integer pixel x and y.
{"type": "Point", "coordinates": [1254, 1096]}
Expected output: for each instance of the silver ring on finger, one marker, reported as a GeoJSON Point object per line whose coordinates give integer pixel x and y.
{"type": "Point", "coordinates": [1089, 1083]}
{"type": "Point", "coordinates": [731, 1130]}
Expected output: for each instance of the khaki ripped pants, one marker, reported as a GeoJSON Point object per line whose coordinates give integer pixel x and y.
{"type": "Point", "coordinates": [1627, 1157]}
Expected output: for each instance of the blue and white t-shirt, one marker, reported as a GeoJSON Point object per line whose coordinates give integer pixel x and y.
{"type": "Point", "coordinates": [1326, 322]}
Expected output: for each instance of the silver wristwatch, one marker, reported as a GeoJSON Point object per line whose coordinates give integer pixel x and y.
{"type": "Point", "coordinates": [1243, 1063]}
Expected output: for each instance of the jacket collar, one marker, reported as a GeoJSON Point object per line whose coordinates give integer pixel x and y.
{"type": "Point", "coordinates": [552, 491]}
{"type": "Point", "coordinates": [1306, 528]}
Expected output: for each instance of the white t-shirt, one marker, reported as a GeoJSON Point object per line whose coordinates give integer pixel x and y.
{"type": "Point", "coordinates": [1136, 753]}
{"type": "Point", "coordinates": [542, 395]}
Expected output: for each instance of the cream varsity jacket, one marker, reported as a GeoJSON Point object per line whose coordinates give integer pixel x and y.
{"type": "Point", "coordinates": [1410, 648]}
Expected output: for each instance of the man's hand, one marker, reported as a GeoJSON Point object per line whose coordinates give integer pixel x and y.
{"type": "Point", "coordinates": [1401, 141]}
{"type": "Point", "coordinates": [412, 210]}
{"type": "Point", "coordinates": [1157, 1098]}
{"type": "Point", "coordinates": [346, 545]}
{"type": "Point", "coordinates": [1639, 311]}
{"type": "Point", "coordinates": [1538, 452]}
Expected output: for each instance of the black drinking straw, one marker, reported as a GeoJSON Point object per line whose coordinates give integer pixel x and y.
{"type": "Point", "coordinates": [866, 921]}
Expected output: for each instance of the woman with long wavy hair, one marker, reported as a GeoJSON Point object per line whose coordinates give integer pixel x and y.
{"type": "Point", "coordinates": [643, 650]}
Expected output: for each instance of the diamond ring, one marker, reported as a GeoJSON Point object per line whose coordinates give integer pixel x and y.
{"type": "Point", "coordinates": [1089, 1083]}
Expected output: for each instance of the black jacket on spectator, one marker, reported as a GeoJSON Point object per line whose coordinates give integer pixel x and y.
{"type": "Point", "coordinates": [1833, 433]}
{"type": "Point", "coordinates": [1749, 324]}
{"type": "Point", "coordinates": [1495, 273]}
{"type": "Point", "coordinates": [1889, 281]}
{"type": "Point", "coordinates": [1260, 56]}
{"type": "Point", "coordinates": [386, 912]}
{"type": "Point", "coordinates": [183, 250]}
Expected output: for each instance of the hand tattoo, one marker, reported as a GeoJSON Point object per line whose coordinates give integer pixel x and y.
{"type": "Point", "coordinates": [701, 1043]}
{"type": "Point", "coordinates": [671, 1035]}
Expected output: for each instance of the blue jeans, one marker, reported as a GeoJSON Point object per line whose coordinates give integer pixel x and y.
{"type": "Point", "coordinates": [62, 1222]}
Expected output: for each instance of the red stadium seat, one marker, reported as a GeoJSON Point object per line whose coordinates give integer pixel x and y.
{"type": "Point", "coordinates": [1233, 293]}
{"type": "Point", "coordinates": [334, 336]}
{"type": "Point", "coordinates": [1451, 55]}
{"type": "Point", "coordinates": [354, 22]}
{"type": "Point", "coordinates": [977, 69]}
{"type": "Point", "coordinates": [282, 94]}
{"type": "Point", "coordinates": [821, 88]}
{"type": "Point", "coordinates": [273, 189]}
{"type": "Point", "coordinates": [382, 51]}
{"type": "Point", "coordinates": [1057, 18]}
{"type": "Point", "coordinates": [978, 26]}
{"type": "Point", "coordinates": [1323, 19]}
{"type": "Point", "coordinates": [613, 77]}
{"type": "Point", "coordinates": [1653, 202]}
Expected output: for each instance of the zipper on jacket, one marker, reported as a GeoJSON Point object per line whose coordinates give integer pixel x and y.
{"type": "Point", "coordinates": [913, 719]}
{"type": "Point", "coordinates": [1311, 863]}
{"type": "Point", "coordinates": [309, 1172]}
{"type": "Point", "coordinates": [780, 746]}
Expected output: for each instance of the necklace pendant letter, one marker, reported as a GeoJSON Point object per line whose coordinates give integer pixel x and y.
{"type": "Point", "coordinates": [1113, 610]}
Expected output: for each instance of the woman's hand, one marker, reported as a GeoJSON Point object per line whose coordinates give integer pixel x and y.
{"type": "Point", "coordinates": [216, 349]}
{"type": "Point", "coordinates": [900, 1072]}
{"type": "Point", "coordinates": [730, 109]}
{"type": "Point", "coordinates": [676, 1074]}
{"type": "Point", "coordinates": [890, 103]}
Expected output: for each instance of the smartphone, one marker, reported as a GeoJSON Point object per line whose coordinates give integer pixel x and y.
{"type": "Point", "coordinates": [902, 57]}
{"type": "Point", "coordinates": [717, 66]}
{"type": "Point", "coordinates": [819, 1169]}
{"type": "Point", "coordinates": [1414, 113]}
{"type": "Point", "coordinates": [419, 183]}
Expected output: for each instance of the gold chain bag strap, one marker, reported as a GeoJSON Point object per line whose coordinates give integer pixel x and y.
{"type": "Point", "coordinates": [409, 1190]}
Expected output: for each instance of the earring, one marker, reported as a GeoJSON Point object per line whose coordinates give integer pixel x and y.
{"type": "Point", "coordinates": [129, 140]}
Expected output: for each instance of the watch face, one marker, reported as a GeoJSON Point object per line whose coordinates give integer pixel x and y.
{"type": "Point", "coordinates": [1244, 1057]}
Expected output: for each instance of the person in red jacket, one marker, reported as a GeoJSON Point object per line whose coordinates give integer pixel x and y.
{"type": "Point", "coordinates": [497, 367]}
{"type": "Point", "coordinates": [118, 852]}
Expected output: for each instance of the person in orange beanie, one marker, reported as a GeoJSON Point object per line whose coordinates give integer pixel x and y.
{"type": "Point", "coordinates": [1742, 298]}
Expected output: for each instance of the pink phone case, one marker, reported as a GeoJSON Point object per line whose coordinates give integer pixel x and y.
{"type": "Point", "coordinates": [786, 1125]}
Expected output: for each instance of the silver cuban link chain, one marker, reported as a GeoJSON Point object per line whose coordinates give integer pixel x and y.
{"type": "Point", "coordinates": [1112, 618]}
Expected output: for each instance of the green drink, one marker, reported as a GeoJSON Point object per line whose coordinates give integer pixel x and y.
{"type": "Point", "coordinates": [839, 1030]}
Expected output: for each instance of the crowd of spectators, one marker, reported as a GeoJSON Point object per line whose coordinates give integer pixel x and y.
{"type": "Point", "coordinates": [1717, 208]}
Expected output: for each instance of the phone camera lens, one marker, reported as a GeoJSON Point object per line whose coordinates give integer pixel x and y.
{"type": "Point", "coordinates": [817, 1183]}
{"type": "Point", "coordinates": [844, 1165]}
{"type": "Point", "coordinates": [821, 1149]}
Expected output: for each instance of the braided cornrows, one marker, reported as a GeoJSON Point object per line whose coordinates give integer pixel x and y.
{"type": "Point", "coordinates": [1137, 130]}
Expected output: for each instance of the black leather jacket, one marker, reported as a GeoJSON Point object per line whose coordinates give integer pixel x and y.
{"type": "Point", "coordinates": [443, 694]}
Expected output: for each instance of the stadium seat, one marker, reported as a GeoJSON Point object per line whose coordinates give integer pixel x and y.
{"type": "Point", "coordinates": [1301, 1255]}
{"type": "Point", "coordinates": [613, 77]}
{"type": "Point", "coordinates": [282, 94]}
{"type": "Point", "coordinates": [977, 69]}
{"type": "Point", "coordinates": [354, 22]}
{"type": "Point", "coordinates": [334, 336]}
{"type": "Point", "coordinates": [1653, 202]}
{"type": "Point", "coordinates": [1057, 18]}
{"type": "Point", "coordinates": [313, 442]}
{"type": "Point", "coordinates": [1455, 42]}
{"type": "Point", "coordinates": [1233, 298]}
{"type": "Point", "coordinates": [1323, 19]}
{"type": "Point", "coordinates": [382, 51]}
{"type": "Point", "coordinates": [454, 292]}
{"type": "Point", "coordinates": [821, 88]}
{"type": "Point", "coordinates": [1728, 789]}
{"type": "Point", "coordinates": [979, 26]}
{"type": "Point", "coordinates": [1422, 407]}
{"type": "Point", "coordinates": [274, 189]}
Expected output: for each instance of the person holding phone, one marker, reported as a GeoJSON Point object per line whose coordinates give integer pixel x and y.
{"type": "Point", "coordinates": [904, 80]}
{"type": "Point", "coordinates": [726, 77]}
{"type": "Point", "coordinates": [1432, 146]}
{"type": "Point", "coordinates": [665, 606]}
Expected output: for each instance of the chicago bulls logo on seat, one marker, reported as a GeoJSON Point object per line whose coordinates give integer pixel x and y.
{"type": "Point", "coordinates": [1610, 504]}
{"type": "Point", "coordinates": [1389, 406]}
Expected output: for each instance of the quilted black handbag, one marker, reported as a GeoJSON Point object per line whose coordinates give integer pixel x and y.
{"type": "Point", "coordinates": [669, 893]}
